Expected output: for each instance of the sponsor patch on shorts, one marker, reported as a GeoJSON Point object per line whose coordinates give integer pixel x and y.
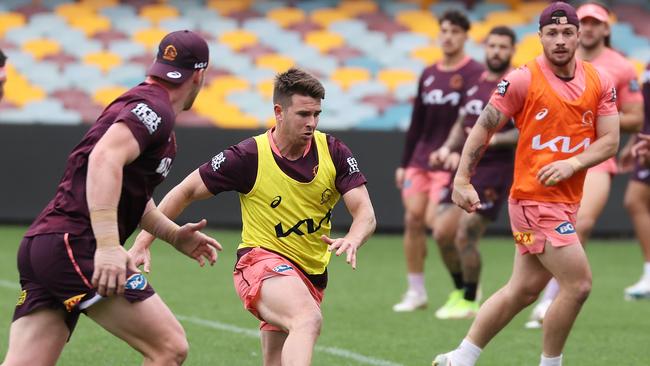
{"type": "Point", "coordinates": [565, 228]}
{"type": "Point", "coordinates": [22, 298]}
{"type": "Point", "coordinates": [524, 238]}
{"type": "Point", "coordinates": [136, 282]}
{"type": "Point", "coordinates": [72, 302]}
{"type": "Point", "coordinates": [282, 268]}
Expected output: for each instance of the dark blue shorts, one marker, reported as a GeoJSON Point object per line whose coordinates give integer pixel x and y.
{"type": "Point", "coordinates": [55, 272]}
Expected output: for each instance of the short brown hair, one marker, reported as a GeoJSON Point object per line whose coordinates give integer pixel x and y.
{"type": "Point", "coordinates": [296, 81]}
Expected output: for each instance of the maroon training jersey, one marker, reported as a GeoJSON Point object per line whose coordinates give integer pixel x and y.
{"type": "Point", "coordinates": [476, 98]}
{"type": "Point", "coordinates": [235, 169]}
{"type": "Point", "coordinates": [435, 109]}
{"type": "Point", "coordinates": [147, 112]}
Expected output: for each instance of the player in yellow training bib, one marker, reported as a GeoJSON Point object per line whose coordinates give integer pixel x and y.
{"type": "Point", "coordinates": [289, 180]}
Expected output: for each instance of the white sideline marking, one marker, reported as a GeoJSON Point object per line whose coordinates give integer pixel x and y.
{"type": "Point", "coordinates": [254, 333]}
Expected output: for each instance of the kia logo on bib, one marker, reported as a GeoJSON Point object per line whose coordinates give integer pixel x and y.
{"type": "Point", "coordinates": [564, 143]}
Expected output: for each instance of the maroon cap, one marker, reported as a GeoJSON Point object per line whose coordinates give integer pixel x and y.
{"type": "Point", "coordinates": [180, 53]}
{"type": "Point", "coordinates": [559, 13]}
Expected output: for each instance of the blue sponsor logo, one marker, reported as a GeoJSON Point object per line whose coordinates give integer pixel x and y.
{"type": "Point", "coordinates": [136, 282]}
{"type": "Point", "coordinates": [565, 228]}
{"type": "Point", "coordinates": [282, 268]}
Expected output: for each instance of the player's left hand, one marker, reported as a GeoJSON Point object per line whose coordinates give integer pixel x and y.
{"type": "Point", "coordinates": [555, 173]}
{"type": "Point", "coordinates": [451, 163]}
{"type": "Point", "coordinates": [641, 149]}
{"type": "Point", "coordinates": [193, 243]}
{"type": "Point", "coordinates": [341, 245]}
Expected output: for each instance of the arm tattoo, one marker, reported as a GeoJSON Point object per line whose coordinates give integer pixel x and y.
{"type": "Point", "coordinates": [490, 118]}
{"type": "Point", "coordinates": [475, 157]}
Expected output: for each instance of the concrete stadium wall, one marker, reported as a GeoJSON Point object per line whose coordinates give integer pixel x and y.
{"type": "Point", "coordinates": [33, 158]}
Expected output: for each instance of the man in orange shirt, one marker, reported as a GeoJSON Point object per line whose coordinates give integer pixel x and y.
{"type": "Point", "coordinates": [594, 47]}
{"type": "Point", "coordinates": [566, 113]}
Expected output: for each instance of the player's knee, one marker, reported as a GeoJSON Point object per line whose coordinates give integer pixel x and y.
{"type": "Point", "coordinates": [173, 349]}
{"type": "Point", "coordinates": [309, 321]}
{"type": "Point", "coordinates": [580, 290]}
{"type": "Point", "coordinates": [414, 221]}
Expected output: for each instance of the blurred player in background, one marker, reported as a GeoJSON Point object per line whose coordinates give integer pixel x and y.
{"type": "Point", "coordinates": [3, 74]}
{"type": "Point", "coordinates": [637, 200]}
{"type": "Point", "coordinates": [71, 259]}
{"type": "Point", "coordinates": [441, 89]}
{"type": "Point", "coordinates": [595, 48]}
{"type": "Point", "coordinates": [566, 114]}
{"type": "Point", "coordinates": [289, 180]}
{"type": "Point", "coordinates": [456, 231]}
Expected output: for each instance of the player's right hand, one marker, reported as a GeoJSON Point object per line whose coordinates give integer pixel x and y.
{"type": "Point", "coordinates": [399, 178]}
{"type": "Point", "coordinates": [193, 243]}
{"type": "Point", "coordinates": [641, 149]}
{"type": "Point", "coordinates": [465, 196]}
{"type": "Point", "coordinates": [625, 160]}
{"type": "Point", "coordinates": [438, 157]}
{"type": "Point", "coordinates": [109, 275]}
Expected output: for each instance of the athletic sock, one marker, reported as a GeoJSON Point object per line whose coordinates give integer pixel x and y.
{"type": "Point", "coordinates": [646, 270]}
{"type": "Point", "coordinates": [416, 283]}
{"type": "Point", "coordinates": [551, 291]}
{"type": "Point", "coordinates": [458, 280]}
{"type": "Point", "coordinates": [551, 361]}
{"type": "Point", "coordinates": [466, 354]}
{"type": "Point", "coordinates": [470, 291]}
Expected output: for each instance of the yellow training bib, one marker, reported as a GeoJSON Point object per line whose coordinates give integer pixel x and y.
{"type": "Point", "coordinates": [287, 216]}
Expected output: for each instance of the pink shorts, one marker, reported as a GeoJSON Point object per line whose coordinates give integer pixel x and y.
{"type": "Point", "coordinates": [434, 184]}
{"type": "Point", "coordinates": [607, 166]}
{"type": "Point", "coordinates": [533, 223]}
{"type": "Point", "coordinates": [259, 265]}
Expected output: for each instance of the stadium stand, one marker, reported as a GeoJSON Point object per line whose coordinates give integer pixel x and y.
{"type": "Point", "coordinates": [67, 59]}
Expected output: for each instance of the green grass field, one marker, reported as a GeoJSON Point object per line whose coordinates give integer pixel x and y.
{"type": "Point", "coordinates": [360, 327]}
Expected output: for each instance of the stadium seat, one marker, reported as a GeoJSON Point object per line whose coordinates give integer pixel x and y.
{"type": "Point", "coordinates": [238, 39]}
{"type": "Point", "coordinates": [227, 7]}
{"type": "Point", "coordinates": [275, 62]}
{"type": "Point", "coordinates": [357, 7]}
{"type": "Point", "coordinates": [264, 7]}
{"type": "Point", "coordinates": [105, 96]}
{"type": "Point", "coordinates": [91, 24]}
{"type": "Point", "coordinates": [326, 16]}
{"type": "Point", "coordinates": [149, 38]}
{"type": "Point", "coordinates": [128, 75]}
{"type": "Point", "coordinates": [350, 28]}
{"type": "Point", "coordinates": [286, 17]}
{"type": "Point", "coordinates": [368, 63]}
{"type": "Point", "coordinates": [405, 92]}
{"type": "Point", "coordinates": [265, 88]}
{"type": "Point", "coordinates": [71, 11]}
{"type": "Point", "coordinates": [118, 12]}
{"type": "Point", "coordinates": [157, 12]}
{"type": "Point", "coordinates": [133, 26]}
{"type": "Point", "coordinates": [313, 5]}
{"type": "Point", "coordinates": [126, 49]}
{"type": "Point", "coordinates": [348, 76]}
{"type": "Point", "coordinates": [393, 78]}
{"type": "Point", "coordinates": [40, 48]}
{"type": "Point", "coordinates": [19, 91]}
{"type": "Point", "coordinates": [104, 60]}
{"type": "Point", "coordinates": [174, 24]}
{"type": "Point", "coordinates": [363, 89]}
{"type": "Point", "coordinates": [427, 54]}
{"type": "Point", "coordinates": [324, 40]}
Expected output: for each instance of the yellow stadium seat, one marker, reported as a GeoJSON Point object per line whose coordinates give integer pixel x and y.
{"type": "Point", "coordinates": [19, 91]}
{"type": "Point", "coordinates": [105, 96]}
{"type": "Point", "coordinates": [356, 7]}
{"type": "Point", "coordinates": [99, 4]}
{"type": "Point", "coordinates": [265, 88]}
{"type": "Point", "coordinates": [326, 16]}
{"type": "Point", "coordinates": [71, 11]}
{"type": "Point", "coordinates": [324, 40]}
{"type": "Point", "coordinates": [104, 60]}
{"type": "Point", "coordinates": [10, 20]}
{"type": "Point", "coordinates": [408, 18]}
{"type": "Point", "coordinates": [639, 67]}
{"type": "Point", "coordinates": [531, 10]}
{"type": "Point", "coordinates": [286, 16]}
{"type": "Point", "coordinates": [512, 18]}
{"type": "Point", "coordinates": [226, 7]}
{"type": "Point", "coordinates": [275, 62]}
{"type": "Point", "coordinates": [238, 39]}
{"type": "Point", "coordinates": [270, 122]}
{"type": "Point", "coordinates": [223, 85]}
{"type": "Point", "coordinates": [236, 121]}
{"type": "Point", "coordinates": [428, 54]}
{"type": "Point", "coordinates": [41, 47]}
{"type": "Point", "coordinates": [479, 31]}
{"type": "Point", "coordinates": [149, 38]}
{"type": "Point", "coordinates": [348, 76]}
{"type": "Point", "coordinates": [91, 25]}
{"type": "Point", "coordinates": [157, 12]}
{"type": "Point", "coordinates": [393, 78]}
{"type": "Point", "coordinates": [429, 28]}
{"type": "Point", "coordinates": [527, 49]}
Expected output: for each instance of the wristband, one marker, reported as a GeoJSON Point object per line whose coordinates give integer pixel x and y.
{"type": "Point", "coordinates": [104, 224]}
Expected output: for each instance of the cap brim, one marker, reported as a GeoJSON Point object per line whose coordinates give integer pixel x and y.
{"type": "Point", "coordinates": [170, 73]}
{"type": "Point", "coordinates": [588, 11]}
